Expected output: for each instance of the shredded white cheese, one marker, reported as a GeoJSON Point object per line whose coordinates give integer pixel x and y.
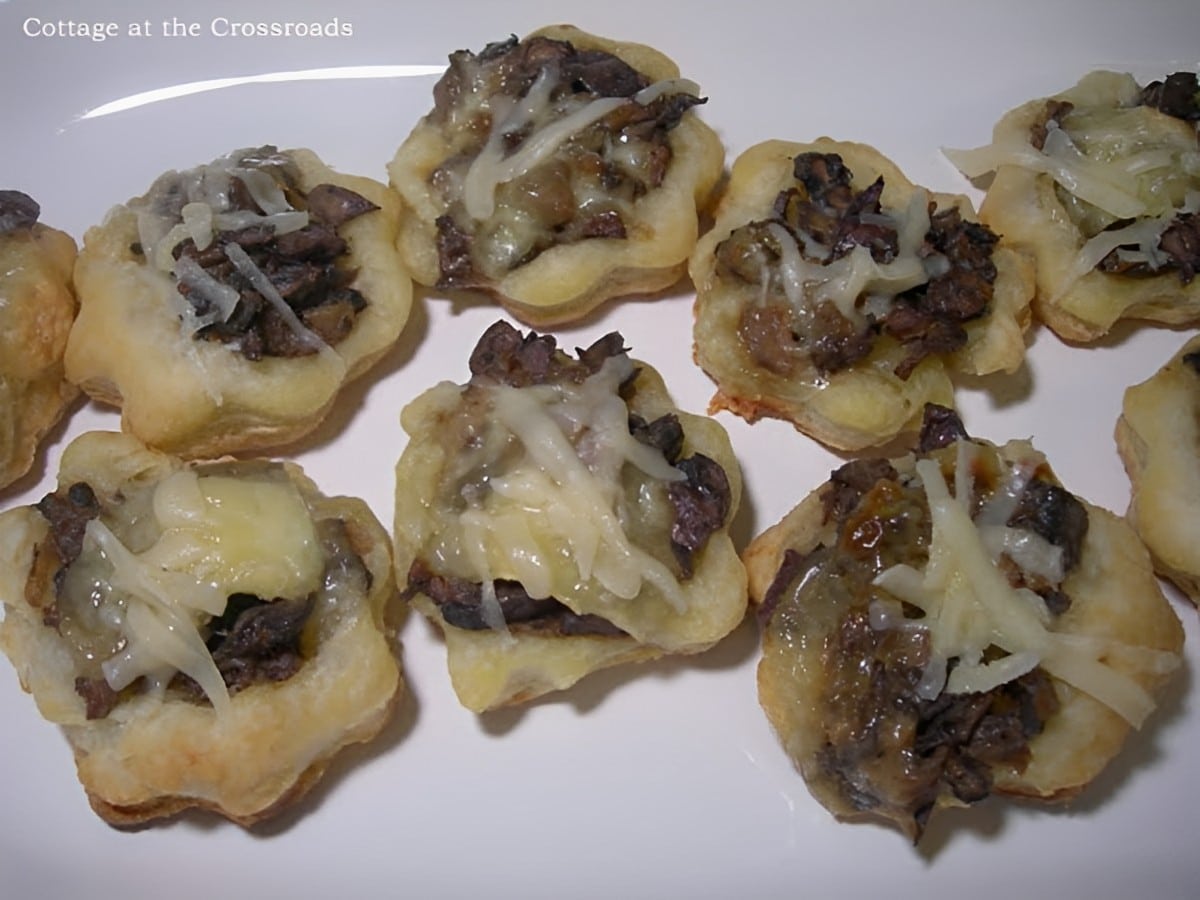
{"type": "Point", "coordinates": [970, 607]}
{"type": "Point", "coordinates": [1117, 162]}
{"type": "Point", "coordinates": [575, 443]}
{"type": "Point", "coordinates": [161, 616]}
{"type": "Point", "coordinates": [811, 278]}
{"type": "Point", "coordinates": [217, 536]}
{"type": "Point", "coordinates": [552, 125]}
{"type": "Point", "coordinates": [1094, 182]}
{"type": "Point", "coordinates": [207, 208]}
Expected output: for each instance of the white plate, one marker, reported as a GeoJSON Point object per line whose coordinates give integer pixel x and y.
{"type": "Point", "coordinates": [657, 781]}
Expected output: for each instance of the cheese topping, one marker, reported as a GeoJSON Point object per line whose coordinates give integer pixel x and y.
{"type": "Point", "coordinates": [555, 515]}
{"type": "Point", "coordinates": [199, 202]}
{"type": "Point", "coordinates": [552, 124]}
{"type": "Point", "coordinates": [1137, 242]}
{"type": "Point", "coordinates": [196, 205]}
{"type": "Point", "coordinates": [811, 278]}
{"type": "Point", "coordinates": [251, 536]}
{"type": "Point", "coordinates": [1111, 164]}
{"type": "Point", "coordinates": [970, 607]}
{"type": "Point", "coordinates": [217, 536]}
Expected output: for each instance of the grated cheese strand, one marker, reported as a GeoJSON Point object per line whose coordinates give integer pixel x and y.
{"type": "Point", "coordinates": [970, 606]}
{"type": "Point", "coordinates": [156, 629]}
{"type": "Point", "coordinates": [809, 283]}
{"type": "Point", "coordinates": [492, 167]}
{"type": "Point", "coordinates": [217, 536]}
{"type": "Point", "coordinates": [570, 487]}
{"type": "Point", "coordinates": [566, 487]}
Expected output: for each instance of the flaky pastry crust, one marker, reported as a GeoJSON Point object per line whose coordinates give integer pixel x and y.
{"type": "Point", "coordinates": [866, 404]}
{"type": "Point", "coordinates": [1024, 206]}
{"type": "Point", "coordinates": [491, 668]}
{"type": "Point", "coordinates": [1157, 435]}
{"type": "Point", "coordinates": [37, 307]}
{"type": "Point", "coordinates": [566, 281]}
{"type": "Point", "coordinates": [155, 754]}
{"type": "Point", "coordinates": [199, 398]}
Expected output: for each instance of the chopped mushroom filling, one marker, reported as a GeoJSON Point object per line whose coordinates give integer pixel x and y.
{"type": "Point", "coordinates": [1167, 236]}
{"type": "Point", "coordinates": [550, 145]}
{"type": "Point", "coordinates": [894, 742]}
{"type": "Point", "coordinates": [247, 639]}
{"type": "Point", "coordinates": [17, 211]}
{"type": "Point", "coordinates": [836, 271]}
{"type": "Point", "coordinates": [671, 520]}
{"type": "Point", "coordinates": [259, 262]}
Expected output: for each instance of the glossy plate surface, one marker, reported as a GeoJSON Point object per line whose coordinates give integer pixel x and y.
{"type": "Point", "coordinates": [657, 781]}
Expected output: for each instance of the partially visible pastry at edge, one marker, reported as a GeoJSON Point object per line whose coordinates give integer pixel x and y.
{"type": "Point", "coordinates": [836, 294]}
{"type": "Point", "coordinates": [555, 173]}
{"type": "Point", "coordinates": [37, 307]}
{"type": "Point", "coordinates": [1158, 437]}
{"type": "Point", "coordinates": [225, 309]}
{"type": "Point", "coordinates": [1101, 183]}
{"type": "Point", "coordinates": [207, 635]}
{"type": "Point", "coordinates": [953, 624]}
{"type": "Point", "coordinates": [555, 516]}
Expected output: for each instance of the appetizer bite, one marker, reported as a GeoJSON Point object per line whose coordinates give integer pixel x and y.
{"type": "Point", "coordinates": [225, 309]}
{"type": "Point", "coordinates": [834, 293]}
{"type": "Point", "coordinates": [555, 516]}
{"type": "Point", "coordinates": [207, 635]}
{"type": "Point", "coordinates": [556, 172]}
{"type": "Point", "coordinates": [1157, 436]}
{"type": "Point", "coordinates": [953, 624]}
{"type": "Point", "coordinates": [1101, 184]}
{"type": "Point", "coordinates": [37, 307]}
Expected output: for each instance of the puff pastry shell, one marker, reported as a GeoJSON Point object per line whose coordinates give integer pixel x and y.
{"type": "Point", "coordinates": [1114, 596]}
{"type": "Point", "coordinates": [37, 307]}
{"type": "Point", "coordinates": [1157, 435]}
{"type": "Point", "coordinates": [867, 403]}
{"type": "Point", "coordinates": [199, 398]}
{"type": "Point", "coordinates": [566, 280]}
{"type": "Point", "coordinates": [552, 546]}
{"type": "Point", "coordinates": [159, 752]}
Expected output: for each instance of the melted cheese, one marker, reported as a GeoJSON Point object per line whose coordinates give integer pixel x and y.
{"type": "Point", "coordinates": [551, 126]}
{"type": "Point", "coordinates": [251, 536]}
{"type": "Point", "coordinates": [1102, 185]}
{"type": "Point", "coordinates": [811, 278]}
{"type": "Point", "coordinates": [260, 282]}
{"type": "Point", "coordinates": [1115, 163]}
{"type": "Point", "coordinates": [970, 607]}
{"type": "Point", "coordinates": [218, 535]}
{"type": "Point", "coordinates": [159, 628]}
{"type": "Point", "coordinates": [559, 503]}
{"type": "Point", "coordinates": [220, 297]}
{"type": "Point", "coordinates": [207, 208]}
{"type": "Point", "coordinates": [1144, 234]}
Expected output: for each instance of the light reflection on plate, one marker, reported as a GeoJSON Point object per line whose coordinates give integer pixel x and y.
{"type": "Point", "coordinates": [175, 91]}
